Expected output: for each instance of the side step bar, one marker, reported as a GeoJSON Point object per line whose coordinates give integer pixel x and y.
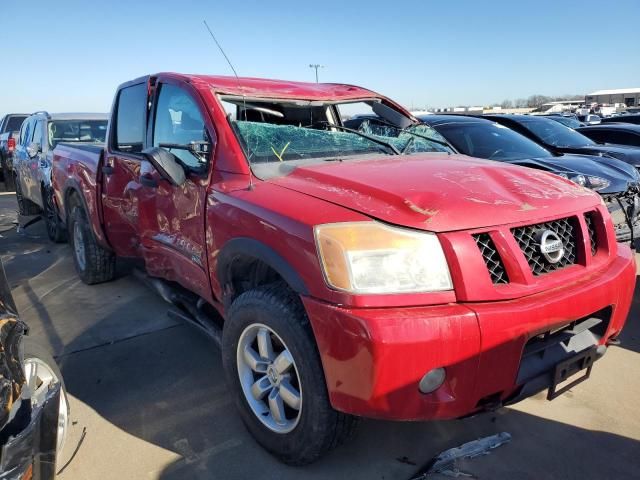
{"type": "Point", "coordinates": [187, 306]}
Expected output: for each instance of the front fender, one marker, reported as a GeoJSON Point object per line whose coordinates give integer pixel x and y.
{"type": "Point", "coordinates": [249, 247]}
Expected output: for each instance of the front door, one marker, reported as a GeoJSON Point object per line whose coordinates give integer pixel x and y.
{"type": "Point", "coordinates": [121, 169]}
{"type": "Point", "coordinates": [21, 158]}
{"type": "Point", "coordinates": [36, 164]}
{"type": "Point", "coordinates": [173, 217]}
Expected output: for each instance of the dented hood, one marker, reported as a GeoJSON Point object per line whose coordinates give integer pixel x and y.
{"type": "Point", "coordinates": [439, 192]}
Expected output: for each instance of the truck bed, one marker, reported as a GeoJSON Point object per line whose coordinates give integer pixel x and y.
{"type": "Point", "coordinates": [89, 147]}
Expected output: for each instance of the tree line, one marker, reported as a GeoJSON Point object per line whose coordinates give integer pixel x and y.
{"type": "Point", "coordinates": [535, 101]}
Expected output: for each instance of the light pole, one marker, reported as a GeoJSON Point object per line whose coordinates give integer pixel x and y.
{"type": "Point", "coordinates": [316, 66]}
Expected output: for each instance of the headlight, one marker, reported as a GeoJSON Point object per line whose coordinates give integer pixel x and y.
{"type": "Point", "coordinates": [579, 179]}
{"type": "Point", "coordinates": [589, 181]}
{"type": "Point", "coordinates": [596, 183]}
{"type": "Point", "coordinates": [369, 257]}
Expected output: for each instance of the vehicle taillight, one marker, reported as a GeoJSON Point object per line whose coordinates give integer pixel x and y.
{"type": "Point", "coordinates": [11, 144]}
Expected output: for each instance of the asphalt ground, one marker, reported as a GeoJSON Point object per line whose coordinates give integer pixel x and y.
{"type": "Point", "coordinates": [149, 394]}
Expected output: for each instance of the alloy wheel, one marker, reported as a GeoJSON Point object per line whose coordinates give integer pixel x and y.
{"type": "Point", "coordinates": [78, 246]}
{"type": "Point", "coordinates": [40, 378]}
{"type": "Point", "coordinates": [269, 378]}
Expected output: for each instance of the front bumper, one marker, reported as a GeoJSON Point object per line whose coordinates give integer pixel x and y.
{"type": "Point", "coordinates": [373, 359]}
{"type": "Point", "coordinates": [28, 444]}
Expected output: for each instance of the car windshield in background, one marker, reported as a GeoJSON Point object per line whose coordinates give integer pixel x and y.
{"type": "Point", "coordinates": [15, 122]}
{"type": "Point", "coordinates": [89, 131]}
{"type": "Point", "coordinates": [556, 134]}
{"type": "Point", "coordinates": [274, 131]}
{"type": "Point", "coordinates": [570, 122]}
{"type": "Point", "coordinates": [491, 141]}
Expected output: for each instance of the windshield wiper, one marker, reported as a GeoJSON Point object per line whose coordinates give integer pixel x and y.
{"type": "Point", "coordinates": [364, 135]}
{"type": "Point", "coordinates": [426, 137]}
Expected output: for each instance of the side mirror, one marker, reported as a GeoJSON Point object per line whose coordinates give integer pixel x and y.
{"type": "Point", "coordinates": [166, 164]}
{"type": "Point", "coordinates": [33, 149]}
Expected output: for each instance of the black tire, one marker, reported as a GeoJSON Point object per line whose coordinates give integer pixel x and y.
{"type": "Point", "coordinates": [9, 183]}
{"type": "Point", "coordinates": [25, 207]}
{"type": "Point", "coordinates": [33, 350]}
{"type": "Point", "coordinates": [320, 428]}
{"type": "Point", "coordinates": [55, 228]}
{"type": "Point", "coordinates": [99, 264]}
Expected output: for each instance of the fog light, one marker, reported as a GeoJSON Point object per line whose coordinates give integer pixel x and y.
{"type": "Point", "coordinates": [432, 380]}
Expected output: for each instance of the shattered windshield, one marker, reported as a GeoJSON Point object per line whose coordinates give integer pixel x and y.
{"type": "Point", "coordinates": [274, 131]}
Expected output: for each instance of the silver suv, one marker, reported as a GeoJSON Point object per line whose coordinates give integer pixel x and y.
{"type": "Point", "coordinates": [39, 135]}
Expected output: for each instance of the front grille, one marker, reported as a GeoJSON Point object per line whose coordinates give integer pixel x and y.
{"type": "Point", "coordinates": [525, 236]}
{"type": "Point", "coordinates": [591, 227]}
{"type": "Point", "coordinates": [491, 258]}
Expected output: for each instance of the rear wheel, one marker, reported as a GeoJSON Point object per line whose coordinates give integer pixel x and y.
{"type": "Point", "coordinates": [94, 263]}
{"type": "Point", "coordinates": [25, 206]}
{"type": "Point", "coordinates": [274, 369]}
{"type": "Point", "coordinates": [55, 228]}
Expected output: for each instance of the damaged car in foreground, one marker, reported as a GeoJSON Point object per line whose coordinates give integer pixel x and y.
{"type": "Point", "coordinates": [344, 273]}
{"type": "Point", "coordinates": [617, 182]}
{"type": "Point", "coordinates": [33, 405]}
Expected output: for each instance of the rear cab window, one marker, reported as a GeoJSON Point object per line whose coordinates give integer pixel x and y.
{"type": "Point", "coordinates": [85, 131]}
{"type": "Point", "coordinates": [14, 123]}
{"type": "Point", "coordinates": [130, 119]}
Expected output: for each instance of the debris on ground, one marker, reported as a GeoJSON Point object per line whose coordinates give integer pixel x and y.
{"type": "Point", "coordinates": [446, 463]}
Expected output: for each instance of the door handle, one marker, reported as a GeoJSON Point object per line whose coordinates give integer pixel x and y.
{"type": "Point", "coordinates": [148, 181]}
{"type": "Point", "coordinates": [107, 170]}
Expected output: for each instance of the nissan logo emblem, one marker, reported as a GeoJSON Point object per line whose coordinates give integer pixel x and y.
{"type": "Point", "coordinates": [551, 247]}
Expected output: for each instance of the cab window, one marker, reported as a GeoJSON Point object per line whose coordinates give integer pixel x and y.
{"type": "Point", "coordinates": [130, 119]}
{"type": "Point", "coordinates": [26, 133]}
{"type": "Point", "coordinates": [178, 123]}
{"type": "Point", "coordinates": [37, 133]}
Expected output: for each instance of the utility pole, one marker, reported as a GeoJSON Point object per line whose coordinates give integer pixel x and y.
{"type": "Point", "coordinates": [316, 66]}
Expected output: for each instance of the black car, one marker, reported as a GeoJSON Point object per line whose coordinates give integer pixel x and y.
{"type": "Point", "coordinates": [616, 181]}
{"type": "Point", "coordinates": [634, 118]}
{"type": "Point", "coordinates": [33, 406]}
{"type": "Point", "coordinates": [560, 139]}
{"type": "Point", "coordinates": [616, 133]}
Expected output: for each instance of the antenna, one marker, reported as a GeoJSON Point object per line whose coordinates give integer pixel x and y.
{"type": "Point", "coordinates": [244, 102]}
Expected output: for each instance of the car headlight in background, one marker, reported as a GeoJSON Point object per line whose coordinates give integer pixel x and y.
{"type": "Point", "coordinates": [589, 181]}
{"type": "Point", "coordinates": [369, 257]}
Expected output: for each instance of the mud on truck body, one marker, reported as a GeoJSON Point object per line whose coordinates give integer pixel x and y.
{"type": "Point", "coordinates": [357, 273]}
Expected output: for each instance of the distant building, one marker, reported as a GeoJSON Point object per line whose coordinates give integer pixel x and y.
{"type": "Point", "coordinates": [629, 96]}
{"type": "Point", "coordinates": [558, 106]}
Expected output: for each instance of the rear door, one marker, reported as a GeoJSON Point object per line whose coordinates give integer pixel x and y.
{"type": "Point", "coordinates": [172, 218]}
{"type": "Point", "coordinates": [121, 168]}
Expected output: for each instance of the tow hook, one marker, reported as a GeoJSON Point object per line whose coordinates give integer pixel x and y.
{"type": "Point", "coordinates": [616, 342]}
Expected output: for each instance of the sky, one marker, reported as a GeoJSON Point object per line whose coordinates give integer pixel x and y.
{"type": "Point", "coordinates": [69, 55]}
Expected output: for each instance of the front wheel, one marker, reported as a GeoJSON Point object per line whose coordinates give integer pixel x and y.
{"type": "Point", "coordinates": [42, 372]}
{"type": "Point", "coordinates": [94, 263]}
{"type": "Point", "coordinates": [274, 369]}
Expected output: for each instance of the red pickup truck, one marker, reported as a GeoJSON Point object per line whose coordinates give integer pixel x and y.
{"type": "Point", "coordinates": [358, 273]}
